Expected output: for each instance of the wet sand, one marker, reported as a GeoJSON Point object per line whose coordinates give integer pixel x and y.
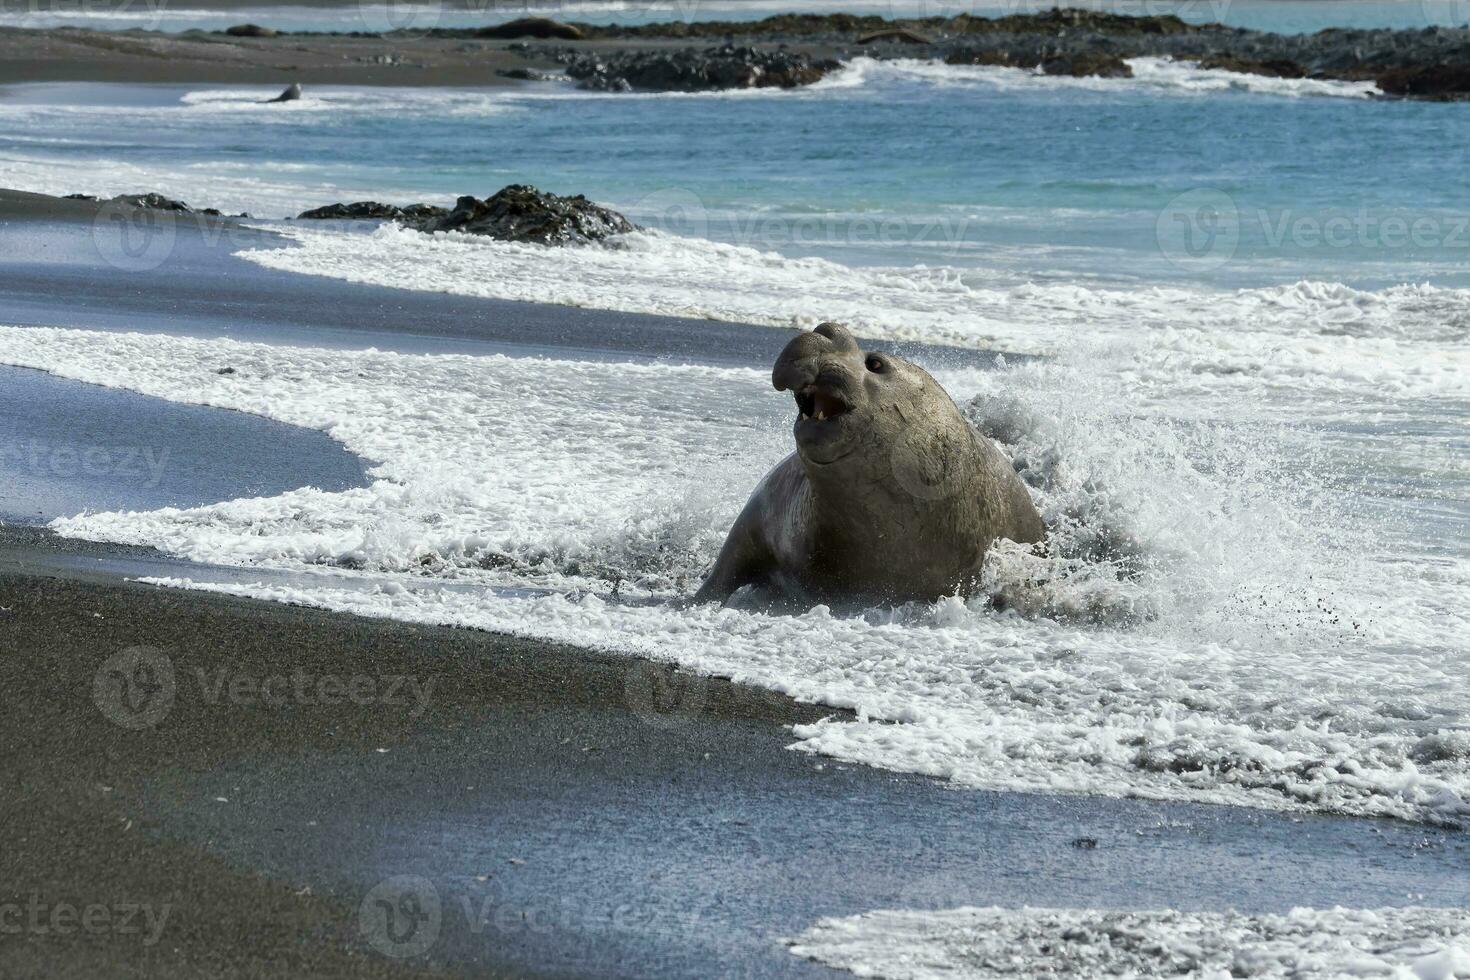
{"type": "Point", "coordinates": [81, 55]}
{"type": "Point", "coordinates": [66, 447]}
{"type": "Point", "coordinates": [553, 811]}
{"type": "Point", "coordinates": [90, 801]}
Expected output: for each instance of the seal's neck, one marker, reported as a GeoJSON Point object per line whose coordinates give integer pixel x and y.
{"type": "Point", "coordinates": [925, 471]}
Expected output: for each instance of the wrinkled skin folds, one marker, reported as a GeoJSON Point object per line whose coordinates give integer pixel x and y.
{"type": "Point", "coordinates": [891, 494]}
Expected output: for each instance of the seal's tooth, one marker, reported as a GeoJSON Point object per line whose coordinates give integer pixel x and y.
{"type": "Point", "coordinates": [821, 416]}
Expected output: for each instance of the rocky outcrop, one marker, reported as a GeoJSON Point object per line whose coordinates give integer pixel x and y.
{"type": "Point", "coordinates": [1090, 64]}
{"type": "Point", "coordinates": [1079, 65]}
{"type": "Point", "coordinates": [539, 27]}
{"type": "Point", "coordinates": [372, 211]}
{"type": "Point", "coordinates": [1273, 68]}
{"type": "Point", "coordinates": [692, 70]}
{"type": "Point", "coordinates": [291, 93]}
{"type": "Point", "coordinates": [899, 34]}
{"type": "Point", "coordinates": [837, 27]}
{"type": "Point", "coordinates": [151, 201]}
{"type": "Point", "coordinates": [1430, 63]}
{"type": "Point", "coordinates": [530, 75]}
{"type": "Point", "coordinates": [520, 213]}
{"type": "Point", "coordinates": [250, 30]}
{"type": "Point", "coordinates": [1435, 83]}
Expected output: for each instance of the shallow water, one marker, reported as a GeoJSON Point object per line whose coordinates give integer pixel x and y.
{"type": "Point", "coordinates": [68, 447]}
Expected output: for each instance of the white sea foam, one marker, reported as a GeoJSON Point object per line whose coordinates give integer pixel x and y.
{"type": "Point", "coordinates": [1402, 342]}
{"type": "Point", "coordinates": [985, 943]}
{"type": "Point", "coordinates": [345, 100]}
{"type": "Point", "coordinates": [1158, 76]}
{"type": "Point", "coordinates": [1221, 619]}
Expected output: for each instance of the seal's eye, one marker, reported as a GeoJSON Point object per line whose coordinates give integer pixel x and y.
{"type": "Point", "coordinates": [876, 365]}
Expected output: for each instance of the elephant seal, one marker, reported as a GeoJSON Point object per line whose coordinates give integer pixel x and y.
{"type": "Point", "coordinates": [891, 494]}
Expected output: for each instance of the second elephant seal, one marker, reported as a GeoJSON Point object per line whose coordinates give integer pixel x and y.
{"type": "Point", "coordinates": [890, 495]}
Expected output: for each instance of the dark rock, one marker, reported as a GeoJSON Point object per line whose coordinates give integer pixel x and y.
{"type": "Point", "coordinates": [291, 93]}
{"type": "Point", "coordinates": [250, 30]}
{"type": "Point", "coordinates": [1048, 23]}
{"type": "Point", "coordinates": [1088, 65]}
{"type": "Point", "coordinates": [1078, 65]}
{"type": "Point", "coordinates": [540, 27]}
{"type": "Point", "coordinates": [520, 213]}
{"type": "Point", "coordinates": [690, 70]}
{"type": "Point", "coordinates": [895, 34]}
{"type": "Point", "coordinates": [153, 202]}
{"type": "Point", "coordinates": [372, 210]}
{"type": "Point", "coordinates": [995, 59]}
{"type": "Point", "coordinates": [225, 370]}
{"type": "Point", "coordinates": [418, 212]}
{"type": "Point", "coordinates": [1273, 68]}
{"type": "Point", "coordinates": [1074, 19]}
{"type": "Point", "coordinates": [1085, 843]}
{"type": "Point", "coordinates": [1436, 83]}
{"type": "Point", "coordinates": [530, 75]}
{"type": "Point", "coordinates": [1422, 64]}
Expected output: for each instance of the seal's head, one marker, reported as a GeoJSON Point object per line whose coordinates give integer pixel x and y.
{"type": "Point", "coordinates": [854, 406]}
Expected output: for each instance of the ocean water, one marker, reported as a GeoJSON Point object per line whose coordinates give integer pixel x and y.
{"type": "Point", "coordinates": [1246, 424]}
{"type": "Point", "coordinates": [1281, 16]}
{"type": "Point", "coordinates": [1244, 411]}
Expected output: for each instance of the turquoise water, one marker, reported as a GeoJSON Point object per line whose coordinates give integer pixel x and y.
{"type": "Point", "coordinates": [1176, 176]}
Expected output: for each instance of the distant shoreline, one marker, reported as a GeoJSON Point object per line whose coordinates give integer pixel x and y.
{"type": "Point", "coordinates": [1426, 64]}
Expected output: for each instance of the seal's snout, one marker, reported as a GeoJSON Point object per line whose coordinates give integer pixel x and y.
{"type": "Point", "coordinates": [801, 361]}
{"type": "Point", "coordinates": [816, 368]}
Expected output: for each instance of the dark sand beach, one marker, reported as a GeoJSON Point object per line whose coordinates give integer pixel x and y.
{"type": "Point", "coordinates": [79, 55]}
{"type": "Point", "coordinates": [266, 784]}
{"type": "Point", "coordinates": [1404, 63]}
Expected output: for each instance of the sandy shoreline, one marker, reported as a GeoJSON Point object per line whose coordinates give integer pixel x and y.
{"type": "Point", "coordinates": [789, 49]}
{"type": "Point", "coordinates": [97, 56]}
{"type": "Point", "coordinates": [80, 817]}
{"type": "Point", "coordinates": [79, 55]}
{"type": "Point", "coordinates": [274, 771]}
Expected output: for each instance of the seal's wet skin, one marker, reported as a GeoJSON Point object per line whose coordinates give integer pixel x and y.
{"type": "Point", "coordinates": [891, 493]}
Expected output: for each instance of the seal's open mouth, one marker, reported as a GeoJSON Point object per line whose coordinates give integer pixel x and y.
{"type": "Point", "coordinates": [819, 403]}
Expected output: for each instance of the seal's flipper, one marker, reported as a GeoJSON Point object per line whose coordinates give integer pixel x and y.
{"type": "Point", "coordinates": [744, 560]}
